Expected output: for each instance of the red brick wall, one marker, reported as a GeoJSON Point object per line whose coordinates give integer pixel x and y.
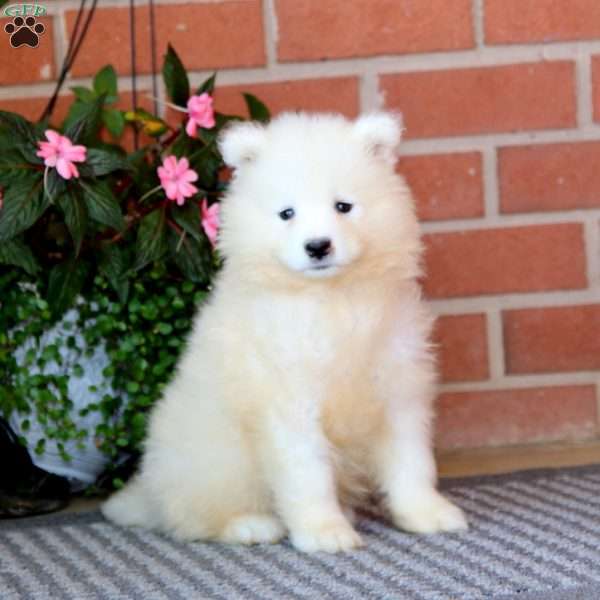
{"type": "Point", "coordinates": [501, 100]}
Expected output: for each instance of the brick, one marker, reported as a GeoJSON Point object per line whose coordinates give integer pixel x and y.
{"type": "Point", "coordinates": [482, 100]}
{"type": "Point", "coordinates": [517, 416]}
{"type": "Point", "coordinates": [549, 177]}
{"type": "Point", "coordinates": [322, 29]}
{"type": "Point", "coordinates": [498, 261]}
{"type": "Point", "coordinates": [25, 64]}
{"type": "Point", "coordinates": [32, 108]}
{"type": "Point", "coordinates": [206, 36]}
{"type": "Point", "coordinates": [546, 340]}
{"type": "Point", "coordinates": [445, 186]}
{"type": "Point", "coordinates": [462, 347]}
{"type": "Point", "coordinates": [596, 87]}
{"type": "Point", "coordinates": [519, 21]}
{"type": "Point", "coordinates": [339, 94]}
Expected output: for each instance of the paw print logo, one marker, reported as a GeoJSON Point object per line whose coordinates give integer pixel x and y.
{"type": "Point", "coordinates": [24, 32]}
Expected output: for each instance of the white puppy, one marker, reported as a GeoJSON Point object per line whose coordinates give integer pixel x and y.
{"type": "Point", "coordinates": [308, 379]}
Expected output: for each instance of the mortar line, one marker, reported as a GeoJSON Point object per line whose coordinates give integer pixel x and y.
{"type": "Point", "coordinates": [583, 77]}
{"type": "Point", "coordinates": [505, 221]}
{"type": "Point", "coordinates": [370, 95]}
{"type": "Point", "coordinates": [512, 301]}
{"type": "Point", "coordinates": [271, 32]}
{"type": "Point", "coordinates": [478, 23]}
{"type": "Point", "coordinates": [54, 15]}
{"type": "Point", "coordinates": [495, 343]}
{"type": "Point", "coordinates": [592, 245]}
{"type": "Point", "coordinates": [513, 382]}
{"type": "Point", "coordinates": [490, 182]}
{"type": "Point", "coordinates": [60, 41]}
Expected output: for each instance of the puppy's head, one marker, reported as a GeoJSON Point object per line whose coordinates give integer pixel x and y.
{"type": "Point", "coordinates": [315, 195]}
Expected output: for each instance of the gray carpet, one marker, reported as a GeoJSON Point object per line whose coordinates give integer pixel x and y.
{"type": "Point", "coordinates": [533, 536]}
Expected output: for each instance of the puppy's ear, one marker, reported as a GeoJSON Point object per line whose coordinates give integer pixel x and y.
{"type": "Point", "coordinates": [241, 143]}
{"type": "Point", "coordinates": [380, 132]}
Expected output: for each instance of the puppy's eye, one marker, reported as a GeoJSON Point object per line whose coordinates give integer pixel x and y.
{"type": "Point", "coordinates": [287, 214]}
{"type": "Point", "coordinates": [343, 207]}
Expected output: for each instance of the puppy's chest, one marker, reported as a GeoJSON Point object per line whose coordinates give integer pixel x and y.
{"type": "Point", "coordinates": [317, 331]}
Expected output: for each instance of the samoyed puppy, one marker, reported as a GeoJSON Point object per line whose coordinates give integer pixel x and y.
{"type": "Point", "coordinates": [308, 379]}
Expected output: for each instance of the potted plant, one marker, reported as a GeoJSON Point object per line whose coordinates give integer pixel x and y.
{"type": "Point", "coordinates": [104, 255]}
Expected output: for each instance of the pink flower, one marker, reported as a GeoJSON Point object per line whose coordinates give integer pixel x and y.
{"type": "Point", "coordinates": [201, 113]}
{"type": "Point", "coordinates": [210, 220]}
{"type": "Point", "coordinates": [176, 177]}
{"type": "Point", "coordinates": [59, 152]}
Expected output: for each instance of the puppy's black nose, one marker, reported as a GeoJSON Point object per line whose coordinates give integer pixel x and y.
{"type": "Point", "coordinates": [318, 248]}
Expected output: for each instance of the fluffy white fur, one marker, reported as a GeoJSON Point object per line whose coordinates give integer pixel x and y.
{"type": "Point", "coordinates": [301, 389]}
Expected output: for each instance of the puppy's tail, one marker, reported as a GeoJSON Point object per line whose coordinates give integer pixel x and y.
{"type": "Point", "coordinates": [130, 507]}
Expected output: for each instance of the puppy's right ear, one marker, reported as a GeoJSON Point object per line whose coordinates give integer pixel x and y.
{"type": "Point", "coordinates": [241, 142]}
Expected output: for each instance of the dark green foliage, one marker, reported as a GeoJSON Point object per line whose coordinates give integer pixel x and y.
{"type": "Point", "coordinates": [15, 252]}
{"type": "Point", "coordinates": [64, 283]}
{"type": "Point", "coordinates": [102, 205]}
{"type": "Point", "coordinates": [257, 110]}
{"type": "Point", "coordinates": [134, 264]}
{"type": "Point", "coordinates": [176, 79]}
{"type": "Point", "coordinates": [76, 216]}
{"type": "Point", "coordinates": [24, 202]}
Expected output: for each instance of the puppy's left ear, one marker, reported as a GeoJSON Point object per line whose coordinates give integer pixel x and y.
{"type": "Point", "coordinates": [241, 142]}
{"type": "Point", "coordinates": [380, 132]}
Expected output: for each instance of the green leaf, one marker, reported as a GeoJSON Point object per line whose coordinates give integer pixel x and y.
{"type": "Point", "coordinates": [150, 124]}
{"type": "Point", "coordinates": [164, 328]}
{"type": "Point", "coordinates": [76, 216]}
{"type": "Point", "coordinates": [105, 81]}
{"type": "Point", "coordinates": [208, 86]}
{"type": "Point", "coordinates": [21, 130]}
{"type": "Point", "coordinates": [102, 205]}
{"type": "Point", "coordinates": [113, 264]}
{"type": "Point", "coordinates": [101, 162]}
{"type": "Point", "coordinates": [114, 121]}
{"type": "Point", "coordinates": [188, 218]}
{"type": "Point", "coordinates": [24, 202]}
{"type": "Point", "coordinates": [151, 239]}
{"type": "Point", "coordinates": [82, 126]}
{"type": "Point", "coordinates": [14, 167]}
{"type": "Point", "coordinates": [206, 162]}
{"type": "Point", "coordinates": [56, 186]}
{"type": "Point", "coordinates": [65, 282]}
{"type": "Point", "coordinates": [84, 94]}
{"type": "Point", "coordinates": [176, 79]}
{"type": "Point", "coordinates": [76, 111]}
{"type": "Point", "coordinates": [15, 252]}
{"type": "Point", "coordinates": [183, 145]}
{"type": "Point", "coordinates": [191, 257]}
{"type": "Point", "coordinates": [257, 110]}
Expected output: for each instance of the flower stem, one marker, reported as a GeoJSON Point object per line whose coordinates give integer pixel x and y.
{"type": "Point", "coordinates": [149, 193]}
{"type": "Point", "coordinates": [173, 106]}
{"type": "Point", "coordinates": [46, 184]}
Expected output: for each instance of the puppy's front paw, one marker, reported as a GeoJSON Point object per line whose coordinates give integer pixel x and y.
{"type": "Point", "coordinates": [429, 513]}
{"type": "Point", "coordinates": [253, 529]}
{"type": "Point", "coordinates": [332, 535]}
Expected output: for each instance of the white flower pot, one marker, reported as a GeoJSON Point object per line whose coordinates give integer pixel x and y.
{"type": "Point", "coordinates": [87, 462]}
